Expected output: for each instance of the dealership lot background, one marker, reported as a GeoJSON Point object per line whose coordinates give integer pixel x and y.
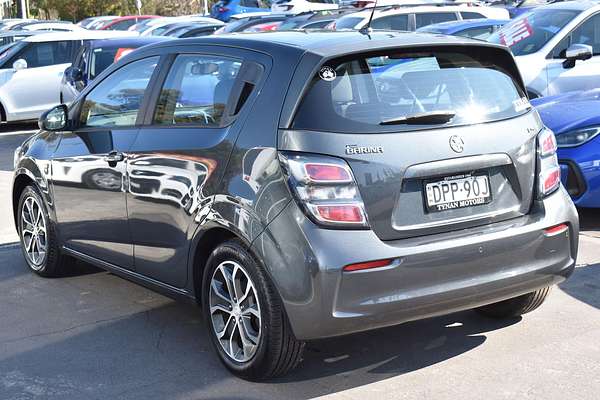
{"type": "Point", "coordinates": [93, 335]}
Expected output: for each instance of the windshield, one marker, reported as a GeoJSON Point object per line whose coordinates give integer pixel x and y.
{"type": "Point", "coordinates": [530, 32]}
{"type": "Point", "coordinates": [103, 58]}
{"type": "Point", "coordinates": [392, 92]}
{"type": "Point", "coordinates": [347, 22]}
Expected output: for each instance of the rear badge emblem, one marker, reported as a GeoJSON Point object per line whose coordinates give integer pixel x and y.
{"type": "Point", "coordinates": [327, 74]}
{"type": "Point", "coordinates": [457, 143]}
{"type": "Point", "coordinates": [354, 149]}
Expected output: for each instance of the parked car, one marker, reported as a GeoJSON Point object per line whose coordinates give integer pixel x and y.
{"type": "Point", "coordinates": [575, 119]}
{"type": "Point", "coordinates": [480, 28]}
{"type": "Point", "coordinates": [557, 47]}
{"type": "Point", "coordinates": [52, 26]}
{"type": "Point", "coordinates": [300, 6]}
{"type": "Point", "coordinates": [185, 30]}
{"type": "Point", "coordinates": [521, 7]}
{"type": "Point", "coordinates": [31, 72]}
{"type": "Point", "coordinates": [312, 20]}
{"type": "Point", "coordinates": [93, 58]}
{"type": "Point", "coordinates": [406, 18]}
{"type": "Point", "coordinates": [243, 24]}
{"type": "Point", "coordinates": [7, 24]}
{"type": "Point", "coordinates": [224, 9]}
{"type": "Point", "coordinates": [8, 37]}
{"type": "Point", "coordinates": [123, 23]}
{"type": "Point", "coordinates": [101, 21]}
{"type": "Point", "coordinates": [88, 22]}
{"type": "Point", "coordinates": [161, 25]}
{"type": "Point", "coordinates": [276, 181]}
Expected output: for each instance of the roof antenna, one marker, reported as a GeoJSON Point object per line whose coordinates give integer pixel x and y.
{"type": "Point", "coordinates": [366, 30]}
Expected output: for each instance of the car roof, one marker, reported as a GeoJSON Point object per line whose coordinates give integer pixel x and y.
{"type": "Point", "coordinates": [21, 33]}
{"type": "Point", "coordinates": [82, 34]}
{"type": "Point", "coordinates": [392, 10]}
{"type": "Point", "coordinates": [126, 42]}
{"type": "Point", "coordinates": [328, 43]}
{"type": "Point", "coordinates": [468, 23]}
{"type": "Point", "coordinates": [580, 5]}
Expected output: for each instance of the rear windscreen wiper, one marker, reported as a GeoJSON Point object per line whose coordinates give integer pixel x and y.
{"type": "Point", "coordinates": [425, 118]}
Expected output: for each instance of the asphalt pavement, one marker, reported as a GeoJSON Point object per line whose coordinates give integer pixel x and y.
{"type": "Point", "coordinates": [92, 335]}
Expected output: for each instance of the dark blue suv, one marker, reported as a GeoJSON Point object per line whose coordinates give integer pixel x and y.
{"type": "Point", "coordinates": [224, 9]}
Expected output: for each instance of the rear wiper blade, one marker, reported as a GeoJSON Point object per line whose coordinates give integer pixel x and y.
{"type": "Point", "coordinates": [425, 118]}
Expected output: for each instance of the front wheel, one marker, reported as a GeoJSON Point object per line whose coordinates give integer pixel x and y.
{"type": "Point", "coordinates": [516, 306]}
{"type": "Point", "coordinates": [38, 238]}
{"type": "Point", "coordinates": [244, 316]}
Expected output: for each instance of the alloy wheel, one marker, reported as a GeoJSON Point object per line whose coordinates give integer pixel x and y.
{"type": "Point", "coordinates": [33, 232]}
{"type": "Point", "coordinates": [235, 311]}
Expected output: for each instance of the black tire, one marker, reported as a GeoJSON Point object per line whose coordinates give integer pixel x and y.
{"type": "Point", "coordinates": [278, 351]}
{"type": "Point", "coordinates": [516, 306]}
{"type": "Point", "coordinates": [54, 263]}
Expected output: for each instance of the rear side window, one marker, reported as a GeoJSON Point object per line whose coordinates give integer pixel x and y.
{"type": "Point", "coordinates": [381, 92]}
{"type": "Point", "coordinates": [45, 54]}
{"type": "Point", "coordinates": [424, 19]}
{"type": "Point", "coordinates": [392, 22]}
{"type": "Point", "coordinates": [196, 91]}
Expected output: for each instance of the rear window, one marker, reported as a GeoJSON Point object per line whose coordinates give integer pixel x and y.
{"type": "Point", "coordinates": [392, 91]}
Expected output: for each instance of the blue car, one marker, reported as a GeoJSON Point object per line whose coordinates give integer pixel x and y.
{"type": "Point", "coordinates": [575, 119]}
{"type": "Point", "coordinates": [224, 9]}
{"type": "Point", "coordinates": [479, 28]}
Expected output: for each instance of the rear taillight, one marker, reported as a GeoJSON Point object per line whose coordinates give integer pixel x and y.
{"type": "Point", "coordinates": [548, 170]}
{"type": "Point", "coordinates": [326, 189]}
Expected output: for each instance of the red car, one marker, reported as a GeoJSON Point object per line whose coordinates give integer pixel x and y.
{"type": "Point", "coordinates": [123, 23]}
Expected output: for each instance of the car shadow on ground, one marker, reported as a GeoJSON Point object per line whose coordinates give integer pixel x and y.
{"type": "Point", "coordinates": [584, 284]}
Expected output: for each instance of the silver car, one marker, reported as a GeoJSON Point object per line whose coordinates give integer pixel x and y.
{"type": "Point", "coordinates": [557, 47]}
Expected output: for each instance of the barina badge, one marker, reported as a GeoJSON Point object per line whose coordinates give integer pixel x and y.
{"type": "Point", "coordinates": [327, 74]}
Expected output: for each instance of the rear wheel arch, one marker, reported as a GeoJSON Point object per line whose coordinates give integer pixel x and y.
{"type": "Point", "coordinates": [203, 248]}
{"type": "Point", "coordinates": [2, 113]}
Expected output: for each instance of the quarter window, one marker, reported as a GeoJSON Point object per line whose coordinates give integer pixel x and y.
{"type": "Point", "coordinates": [196, 91]}
{"type": "Point", "coordinates": [471, 15]}
{"type": "Point", "coordinates": [116, 101]}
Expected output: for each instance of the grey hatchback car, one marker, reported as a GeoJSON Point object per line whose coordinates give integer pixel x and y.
{"type": "Point", "coordinates": [302, 185]}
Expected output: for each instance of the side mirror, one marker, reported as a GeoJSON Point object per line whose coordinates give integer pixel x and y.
{"type": "Point", "coordinates": [577, 52]}
{"type": "Point", "coordinates": [54, 119]}
{"type": "Point", "coordinates": [76, 74]}
{"type": "Point", "coordinates": [20, 64]}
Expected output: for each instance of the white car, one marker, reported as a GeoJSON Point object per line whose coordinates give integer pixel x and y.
{"type": "Point", "coordinates": [31, 71]}
{"type": "Point", "coordinates": [557, 47]}
{"type": "Point", "coordinates": [408, 18]}
{"type": "Point", "coordinates": [53, 26]}
{"type": "Point", "coordinates": [301, 6]}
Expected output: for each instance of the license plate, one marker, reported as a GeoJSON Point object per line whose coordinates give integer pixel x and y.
{"type": "Point", "coordinates": [459, 192]}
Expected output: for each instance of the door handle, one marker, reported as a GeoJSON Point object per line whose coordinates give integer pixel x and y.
{"type": "Point", "coordinates": [114, 157]}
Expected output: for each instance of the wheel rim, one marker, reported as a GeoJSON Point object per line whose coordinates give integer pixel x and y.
{"type": "Point", "coordinates": [235, 311]}
{"type": "Point", "coordinates": [33, 232]}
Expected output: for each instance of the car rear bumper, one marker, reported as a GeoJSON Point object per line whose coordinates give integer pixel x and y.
{"type": "Point", "coordinates": [431, 275]}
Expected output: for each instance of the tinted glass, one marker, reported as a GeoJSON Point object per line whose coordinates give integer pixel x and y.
{"type": "Point", "coordinates": [122, 25]}
{"type": "Point", "coordinates": [116, 101]}
{"type": "Point", "coordinates": [477, 33]}
{"type": "Point", "coordinates": [529, 32]}
{"type": "Point", "coordinates": [196, 91]}
{"type": "Point", "coordinates": [45, 54]}
{"type": "Point", "coordinates": [392, 22]}
{"type": "Point", "coordinates": [471, 15]}
{"type": "Point", "coordinates": [365, 92]}
{"type": "Point", "coordinates": [347, 22]}
{"type": "Point", "coordinates": [103, 58]}
{"type": "Point", "coordinates": [424, 19]}
{"type": "Point", "coordinates": [588, 33]}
